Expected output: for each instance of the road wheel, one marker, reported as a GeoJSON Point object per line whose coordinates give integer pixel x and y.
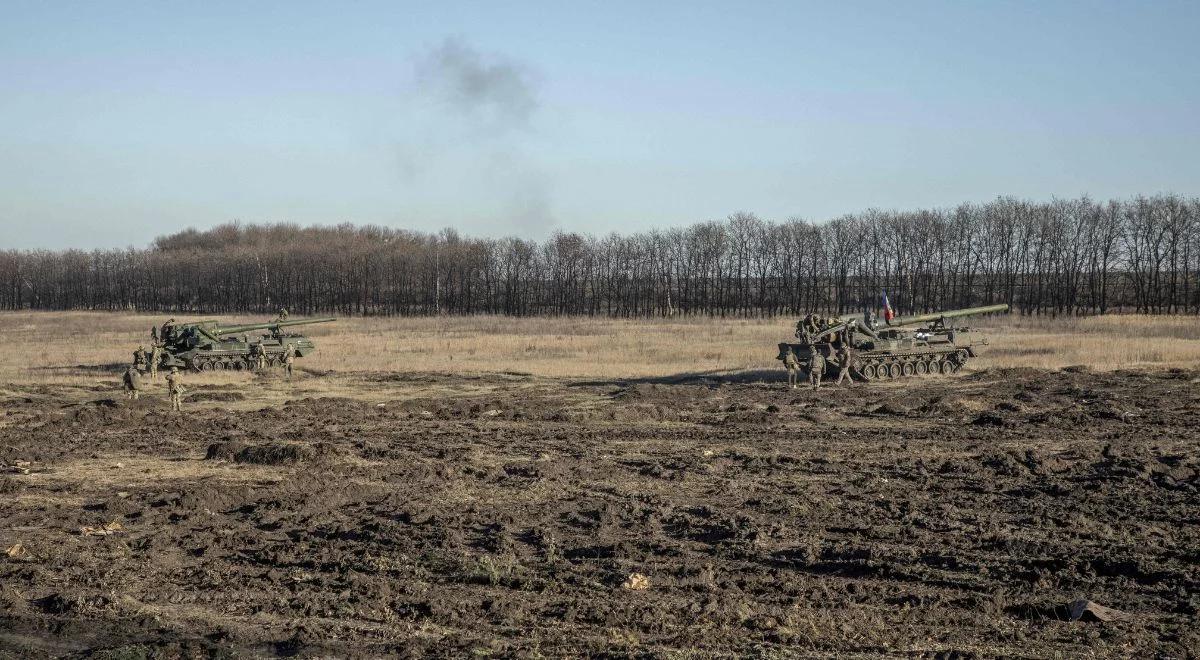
{"type": "Point", "coordinates": [869, 372]}
{"type": "Point", "coordinates": [922, 368]}
{"type": "Point", "coordinates": [894, 370]}
{"type": "Point", "coordinates": [204, 365]}
{"type": "Point", "coordinates": [944, 367]}
{"type": "Point", "coordinates": [907, 368]}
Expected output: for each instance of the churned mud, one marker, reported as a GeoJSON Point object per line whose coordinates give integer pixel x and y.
{"type": "Point", "coordinates": [510, 515]}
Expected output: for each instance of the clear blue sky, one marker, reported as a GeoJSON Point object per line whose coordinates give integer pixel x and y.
{"type": "Point", "coordinates": [122, 121]}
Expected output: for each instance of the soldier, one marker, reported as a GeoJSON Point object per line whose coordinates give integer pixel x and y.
{"type": "Point", "coordinates": [154, 334]}
{"type": "Point", "coordinates": [133, 383]}
{"type": "Point", "coordinates": [166, 329]}
{"type": "Point", "coordinates": [845, 359]}
{"type": "Point", "coordinates": [811, 324]}
{"type": "Point", "coordinates": [260, 355]}
{"type": "Point", "coordinates": [792, 365]}
{"type": "Point", "coordinates": [289, 356]}
{"type": "Point", "coordinates": [869, 320]}
{"type": "Point", "coordinates": [283, 315]}
{"type": "Point", "coordinates": [155, 359]}
{"type": "Point", "coordinates": [175, 389]}
{"type": "Point", "coordinates": [139, 357]}
{"type": "Point", "coordinates": [816, 368]}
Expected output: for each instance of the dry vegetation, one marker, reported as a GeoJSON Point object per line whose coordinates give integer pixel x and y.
{"type": "Point", "coordinates": [63, 346]}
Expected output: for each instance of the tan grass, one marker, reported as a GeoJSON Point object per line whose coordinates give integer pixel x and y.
{"type": "Point", "coordinates": [82, 347]}
{"type": "Point", "coordinates": [1098, 342]}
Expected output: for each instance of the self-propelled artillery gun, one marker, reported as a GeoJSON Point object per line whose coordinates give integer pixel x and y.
{"type": "Point", "coordinates": [206, 345]}
{"type": "Point", "coordinates": [901, 347]}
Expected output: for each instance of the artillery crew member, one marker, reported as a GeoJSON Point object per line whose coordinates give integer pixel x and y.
{"type": "Point", "coordinates": [139, 357]}
{"type": "Point", "coordinates": [166, 329]}
{"type": "Point", "coordinates": [816, 368]}
{"type": "Point", "coordinates": [845, 359]}
{"type": "Point", "coordinates": [259, 354]}
{"type": "Point", "coordinates": [792, 365]}
{"type": "Point", "coordinates": [133, 383]}
{"type": "Point", "coordinates": [283, 315]}
{"type": "Point", "coordinates": [810, 324]}
{"type": "Point", "coordinates": [175, 389]}
{"type": "Point", "coordinates": [289, 356]}
{"type": "Point", "coordinates": [155, 360]}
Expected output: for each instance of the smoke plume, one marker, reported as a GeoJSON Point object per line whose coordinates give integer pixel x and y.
{"type": "Point", "coordinates": [473, 127]}
{"type": "Point", "coordinates": [496, 92]}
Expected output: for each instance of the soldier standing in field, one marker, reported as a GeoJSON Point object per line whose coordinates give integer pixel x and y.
{"type": "Point", "coordinates": [289, 356]}
{"type": "Point", "coordinates": [166, 328]}
{"type": "Point", "coordinates": [155, 359]}
{"type": "Point", "coordinates": [259, 354]}
{"type": "Point", "coordinates": [283, 315]}
{"type": "Point", "coordinates": [816, 368]}
{"type": "Point", "coordinates": [175, 389]}
{"type": "Point", "coordinates": [133, 383]}
{"type": "Point", "coordinates": [845, 359]}
{"type": "Point", "coordinates": [139, 357]}
{"type": "Point", "coordinates": [792, 365]}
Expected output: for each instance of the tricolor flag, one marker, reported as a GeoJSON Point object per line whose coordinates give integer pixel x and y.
{"type": "Point", "coordinates": [888, 314]}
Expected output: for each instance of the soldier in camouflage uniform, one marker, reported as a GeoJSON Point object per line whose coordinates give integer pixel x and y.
{"type": "Point", "coordinates": [811, 324]}
{"type": "Point", "coordinates": [845, 359]}
{"type": "Point", "coordinates": [792, 365]}
{"type": "Point", "coordinates": [283, 315]}
{"type": "Point", "coordinates": [175, 389]}
{"type": "Point", "coordinates": [139, 357]}
{"type": "Point", "coordinates": [155, 359]}
{"type": "Point", "coordinates": [259, 354]}
{"type": "Point", "coordinates": [816, 368]}
{"type": "Point", "coordinates": [289, 356]}
{"type": "Point", "coordinates": [133, 383]}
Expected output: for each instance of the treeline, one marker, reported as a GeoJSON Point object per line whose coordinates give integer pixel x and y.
{"type": "Point", "coordinates": [1063, 257]}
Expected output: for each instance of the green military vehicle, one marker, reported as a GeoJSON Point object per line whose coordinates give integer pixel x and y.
{"type": "Point", "coordinates": [206, 346]}
{"type": "Point", "coordinates": [898, 348]}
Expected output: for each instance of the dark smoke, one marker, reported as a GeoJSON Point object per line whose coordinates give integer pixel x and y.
{"type": "Point", "coordinates": [498, 92]}
{"type": "Point", "coordinates": [477, 116]}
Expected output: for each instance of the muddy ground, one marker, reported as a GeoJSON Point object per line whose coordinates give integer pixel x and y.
{"type": "Point", "coordinates": [511, 515]}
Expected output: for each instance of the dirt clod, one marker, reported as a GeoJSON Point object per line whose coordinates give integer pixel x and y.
{"type": "Point", "coordinates": [1086, 610]}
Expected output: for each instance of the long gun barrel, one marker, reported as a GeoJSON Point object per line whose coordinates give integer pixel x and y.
{"type": "Point", "coordinates": [273, 325]}
{"type": "Point", "coordinates": [949, 314]}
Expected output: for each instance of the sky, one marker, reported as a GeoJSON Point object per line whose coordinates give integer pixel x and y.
{"type": "Point", "coordinates": [124, 121]}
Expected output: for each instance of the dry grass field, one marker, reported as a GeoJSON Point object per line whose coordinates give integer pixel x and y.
{"type": "Point", "coordinates": [61, 347]}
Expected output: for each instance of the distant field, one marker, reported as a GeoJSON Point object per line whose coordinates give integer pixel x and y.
{"type": "Point", "coordinates": [53, 347]}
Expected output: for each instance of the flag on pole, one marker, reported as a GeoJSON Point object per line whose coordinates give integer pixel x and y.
{"type": "Point", "coordinates": [888, 314]}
